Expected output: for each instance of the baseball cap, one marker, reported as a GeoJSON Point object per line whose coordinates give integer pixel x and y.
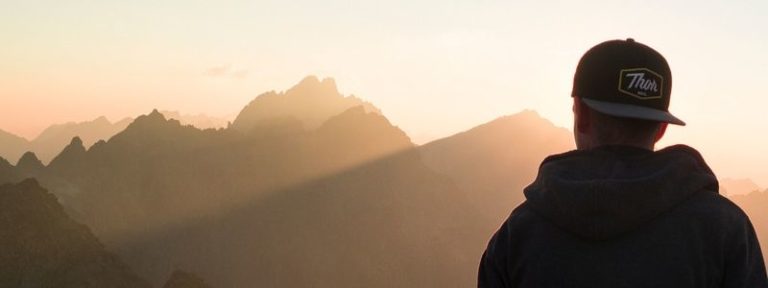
{"type": "Point", "coordinates": [627, 79]}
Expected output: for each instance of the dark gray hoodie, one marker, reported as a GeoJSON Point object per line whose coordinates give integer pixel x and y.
{"type": "Point", "coordinates": [619, 216]}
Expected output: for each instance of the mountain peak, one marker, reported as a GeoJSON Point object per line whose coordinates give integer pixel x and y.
{"type": "Point", "coordinates": [102, 120]}
{"type": "Point", "coordinates": [312, 101]}
{"type": "Point", "coordinates": [76, 141]}
{"type": "Point", "coordinates": [328, 82]}
{"type": "Point", "coordinates": [529, 120]}
{"type": "Point", "coordinates": [200, 121]}
{"type": "Point", "coordinates": [151, 119]}
{"type": "Point", "coordinates": [310, 80]}
{"type": "Point", "coordinates": [528, 113]}
{"type": "Point", "coordinates": [156, 114]}
{"type": "Point", "coordinates": [29, 162]}
{"type": "Point", "coordinates": [524, 115]}
{"type": "Point", "coordinates": [313, 84]}
{"type": "Point", "coordinates": [366, 132]}
{"type": "Point", "coordinates": [71, 155]}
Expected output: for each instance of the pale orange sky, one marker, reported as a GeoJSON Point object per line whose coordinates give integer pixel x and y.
{"type": "Point", "coordinates": [434, 68]}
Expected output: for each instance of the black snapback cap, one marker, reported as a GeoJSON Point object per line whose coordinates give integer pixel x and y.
{"type": "Point", "coordinates": [627, 79]}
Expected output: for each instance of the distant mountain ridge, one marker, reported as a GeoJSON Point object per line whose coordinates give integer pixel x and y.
{"type": "Point", "coordinates": [729, 186]}
{"type": "Point", "coordinates": [53, 139]}
{"type": "Point", "coordinates": [201, 121]}
{"type": "Point", "coordinates": [12, 146]}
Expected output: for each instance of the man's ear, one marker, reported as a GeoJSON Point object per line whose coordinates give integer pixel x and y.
{"type": "Point", "coordinates": [583, 119]}
{"type": "Point", "coordinates": [660, 133]}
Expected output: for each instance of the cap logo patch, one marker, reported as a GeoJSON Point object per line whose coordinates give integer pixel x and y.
{"type": "Point", "coordinates": [641, 83]}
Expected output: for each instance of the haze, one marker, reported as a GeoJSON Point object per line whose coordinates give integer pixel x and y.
{"type": "Point", "coordinates": [434, 68]}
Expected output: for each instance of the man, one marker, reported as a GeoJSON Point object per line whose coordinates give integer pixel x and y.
{"type": "Point", "coordinates": [616, 213]}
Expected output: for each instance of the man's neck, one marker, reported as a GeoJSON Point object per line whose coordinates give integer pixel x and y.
{"type": "Point", "coordinates": [593, 145]}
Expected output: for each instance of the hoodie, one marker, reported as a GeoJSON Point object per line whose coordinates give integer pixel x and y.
{"type": "Point", "coordinates": [619, 216]}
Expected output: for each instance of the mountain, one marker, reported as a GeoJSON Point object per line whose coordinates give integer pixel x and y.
{"type": "Point", "coordinates": [40, 246]}
{"type": "Point", "coordinates": [50, 142]}
{"type": "Point", "coordinates": [498, 159]}
{"type": "Point", "coordinates": [158, 175]}
{"type": "Point", "coordinates": [334, 198]}
{"type": "Point", "coordinates": [410, 219]}
{"type": "Point", "coordinates": [29, 165]}
{"type": "Point", "coordinates": [8, 172]}
{"type": "Point", "coordinates": [201, 121]}
{"type": "Point", "coordinates": [155, 160]}
{"type": "Point", "coordinates": [743, 186]}
{"type": "Point", "coordinates": [311, 102]}
{"type": "Point", "coordinates": [381, 219]}
{"type": "Point", "coordinates": [181, 279]}
{"type": "Point", "coordinates": [73, 153]}
{"type": "Point", "coordinates": [362, 136]}
{"type": "Point", "coordinates": [12, 146]}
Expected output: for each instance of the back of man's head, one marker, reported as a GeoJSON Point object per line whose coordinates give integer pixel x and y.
{"type": "Point", "coordinates": [621, 93]}
{"type": "Point", "coordinates": [594, 129]}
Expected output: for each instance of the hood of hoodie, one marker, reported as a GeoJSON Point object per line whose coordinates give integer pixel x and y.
{"type": "Point", "coordinates": [604, 192]}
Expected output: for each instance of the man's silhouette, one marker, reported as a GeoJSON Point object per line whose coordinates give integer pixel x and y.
{"type": "Point", "coordinates": [616, 213]}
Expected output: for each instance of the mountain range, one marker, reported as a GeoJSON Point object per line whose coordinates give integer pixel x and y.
{"type": "Point", "coordinates": [291, 196]}
{"type": "Point", "coordinates": [51, 140]}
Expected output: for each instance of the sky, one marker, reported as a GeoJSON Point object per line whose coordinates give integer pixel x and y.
{"type": "Point", "coordinates": [434, 67]}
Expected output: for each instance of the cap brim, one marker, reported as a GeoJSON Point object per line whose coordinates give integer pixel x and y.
{"type": "Point", "coordinates": [631, 111]}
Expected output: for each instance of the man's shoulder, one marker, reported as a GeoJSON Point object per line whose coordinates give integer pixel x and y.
{"type": "Point", "coordinates": [707, 208]}
{"type": "Point", "coordinates": [714, 207]}
{"type": "Point", "coordinates": [523, 217]}
{"type": "Point", "coordinates": [521, 214]}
